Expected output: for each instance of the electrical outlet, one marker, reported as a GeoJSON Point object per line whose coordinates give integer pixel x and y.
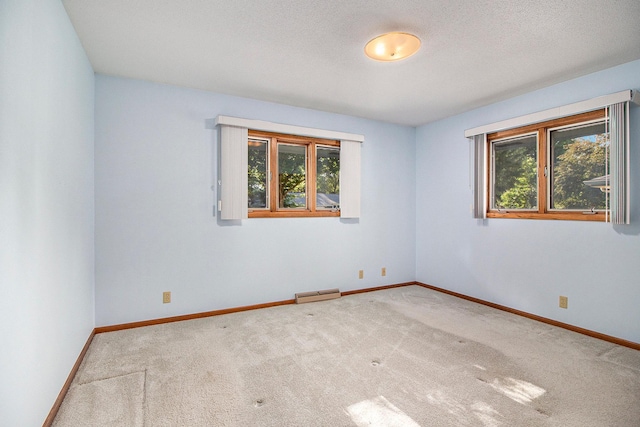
{"type": "Point", "coordinates": [563, 302]}
{"type": "Point", "coordinates": [383, 272]}
{"type": "Point", "coordinates": [361, 274]}
{"type": "Point", "coordinates": [166, 297]}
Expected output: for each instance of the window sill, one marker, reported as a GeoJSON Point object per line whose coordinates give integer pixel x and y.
{"type": "Point", "coordinates": [567, 216]}
{"type": "Point", "coordinates": [293, 214]}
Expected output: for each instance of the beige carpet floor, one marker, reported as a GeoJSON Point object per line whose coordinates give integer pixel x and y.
{"type": "Point", "coordinates": [399, 357]}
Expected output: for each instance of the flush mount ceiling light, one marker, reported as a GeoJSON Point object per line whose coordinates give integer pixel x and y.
{"type": "Point", "coordinates": [392, 46]}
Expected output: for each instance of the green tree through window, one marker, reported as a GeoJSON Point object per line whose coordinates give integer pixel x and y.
{"type": "Point", "coordinates": [556, 169]}
{"type": "Point", "coordinates": [257, 169]}
{"type": "Point", "coordinates": [577, 159]}
{"type": "Point", "coordinates": [328, 177]}
{"type": "Point", "coordinates": [515, 164]}
{"type": "Point", "coordinates": [292, 176]}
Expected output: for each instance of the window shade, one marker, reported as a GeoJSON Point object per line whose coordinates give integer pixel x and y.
{"type": "Point", "coordinates": [479, 143]}
{"type": "Point", "coordinates": [349, 179]}
{"type": "Point", "coordinates": [619, 161]}
{"type": "Point", "coordinates": [233, 181]}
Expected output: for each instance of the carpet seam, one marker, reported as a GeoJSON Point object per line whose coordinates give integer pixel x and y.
{"type": "Point", "coordinates": [110, 378]}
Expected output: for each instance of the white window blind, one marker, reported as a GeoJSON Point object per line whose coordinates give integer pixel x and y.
{"type": "Point", "coordinates": [479, 172]}
{"type": "Point", "coordinates": [349, 179]}
{"type": "Point", "coordinates": [233, 181]}
{"type": "Point", "coordinates": [619, 162]}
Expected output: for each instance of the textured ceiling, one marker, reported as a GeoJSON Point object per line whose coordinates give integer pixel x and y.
{"type": "Point", "coordinates": [311, 54]}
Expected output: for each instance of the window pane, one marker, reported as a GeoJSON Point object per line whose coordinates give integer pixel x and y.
{"type": "Point", "coordinates": [258, 173]}
{"type": "Point", "coordinates": [292, 176]}
{"type": "Point", "coordinates": [579, 177]}
{"type": "Point", "coordinates": [327, 177]}
{"type": "Point", "coordinates": [515, 178]}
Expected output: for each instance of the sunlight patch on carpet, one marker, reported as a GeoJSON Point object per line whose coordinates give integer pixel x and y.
{"type": "Point", "coordinates": [448, 404]}
{"type": "Point", "coordinates": [486, 414]}
{"type": "Point", "coordinates": [379, 412]}
{"type": "Point", "coordinates": [518, 390]}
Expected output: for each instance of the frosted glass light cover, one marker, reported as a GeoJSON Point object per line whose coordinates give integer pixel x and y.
{"type": "Point", "coordinates": [392, 46]}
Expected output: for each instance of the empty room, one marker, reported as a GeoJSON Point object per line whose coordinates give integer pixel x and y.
{"type": "Point", "coordinates": [294, 213]}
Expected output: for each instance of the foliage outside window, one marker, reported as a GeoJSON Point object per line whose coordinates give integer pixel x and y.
{"type": "Point", "coordinates": [290, 176]}
{"type": "Point", "coordinates": [515, 176]}
{"type": "Point", "coordinates": [552, 170]}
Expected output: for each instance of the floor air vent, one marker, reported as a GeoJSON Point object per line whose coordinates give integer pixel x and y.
{"type": "Point", "coordinates": [303, 297]}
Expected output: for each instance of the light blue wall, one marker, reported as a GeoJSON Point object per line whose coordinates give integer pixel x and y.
{"type": "Point", "coordinates": [155, 229]}
{"type": "Point", "coordinates": [527, 264]}
{"type": "Point", "coordinates": [155, 232]}
{"type": "Point", "coordinates": [46, 206]}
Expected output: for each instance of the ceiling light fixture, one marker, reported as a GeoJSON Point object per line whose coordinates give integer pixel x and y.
{"type": "Point", "coordinates": [392, 46]}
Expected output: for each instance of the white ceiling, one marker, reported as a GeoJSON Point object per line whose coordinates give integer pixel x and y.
{"type": "Point", "coordinates": [311, 53]}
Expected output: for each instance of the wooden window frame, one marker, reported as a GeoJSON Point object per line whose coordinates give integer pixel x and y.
{"type": "Point", "coordinates": [273, 211]}
{"type": "Point", "coordinates": [543, 211]}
